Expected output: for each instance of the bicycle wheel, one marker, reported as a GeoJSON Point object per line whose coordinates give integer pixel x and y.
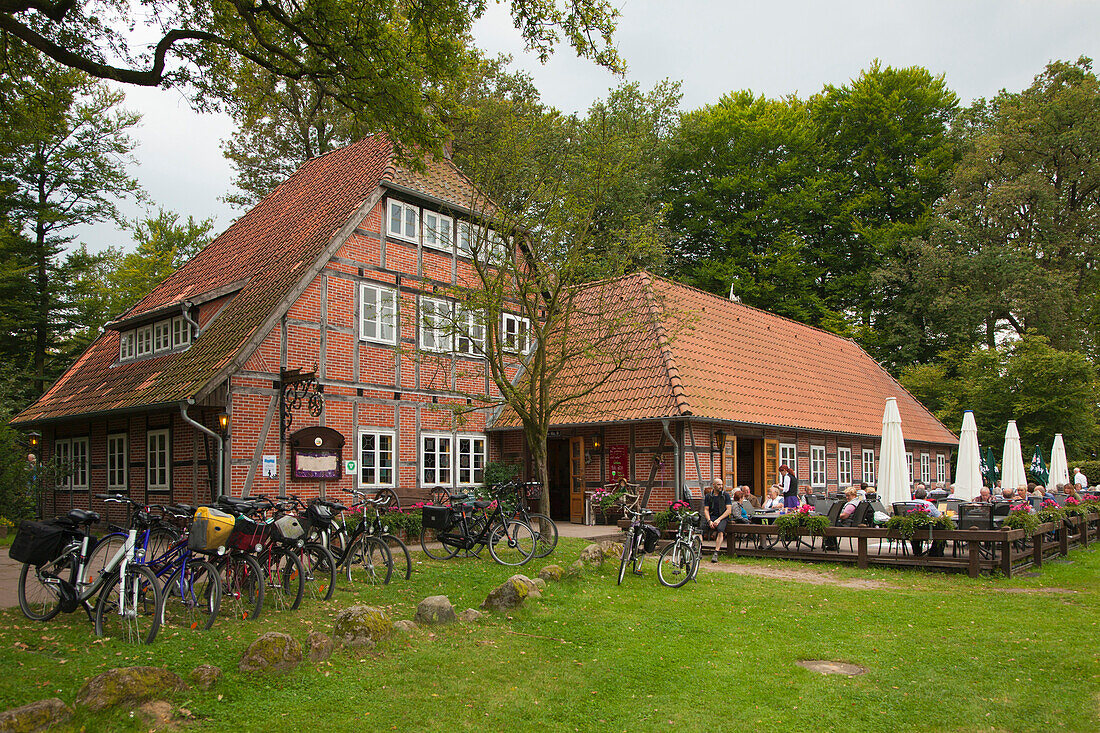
{"type": "Point", "coordinates": [132, 613]}
{"type": "Point", "coordinates": [242, 586]}
{"type": "Point", "coordinates": [100, 555]}
{"type": "Point", "coordinates": [396, 544]}
{"type": "Point", "coordinates": [433, 546]}
{"type": "Point", "coordinates": [628, 549]}
{"type": "Point", "coordinates": [192, 596]}
{"type": "Point", "coordinates": [285, 579]}
{"type": "Point", "coordinates": [338, 542]}
{"type": "Point", "coordinates": [512, 543]}
{"type": "Point", "coordinates": [675, 564]}
{"type": "Point", "coordinates": [40, 590]}
{"type": "Point", "coordinates": [639, 556]}
{"type": "Point", "coordinates": [440, 496]}
{"type": "Point", "coordinates": [373, 556]}
{"type": "Point", "coordinates": [161, 542]}
{"type": "Point", "coordinates": [392, 502]}
{"type": "Point", "coordinates": [546, 534]}
{"type": "Point", "coordinates": [320, 570]}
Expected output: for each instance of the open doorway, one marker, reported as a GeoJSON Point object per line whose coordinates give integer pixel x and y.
{"type": "Point", "coordinates": [557, 459]}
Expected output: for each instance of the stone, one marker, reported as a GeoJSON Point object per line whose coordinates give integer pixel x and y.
{"type": "Point", "coordinates": [272, 652]}
{"type": "Point", "coordinates": [612, 549]}
{"type": "Point", "coordinates": [592, 555]}
{"type": "Point", "coordinates": [539, 583]}
{"type": "Point", "coordinates": [470, 615]}
{"type": "Point", "coordinates": [206, 675]}
{"type": "Point", "coordinates": [576, 569]}
{"type": "Point", "coordinates": [320, 646]}
{"type": "Point", "coordinates": [130, 685]}
{"type": "Point", "coordinates": [157, 714]}
{"type": "Point", "coordinates": [361, 626]}
{"type": "Point", "coordinates": [405, 625]}
{"type": "Point", "coordinates": [551, 572]}
{"type": "Point", "coordinates": [435, 610]}
{"type": "Point", "coordinates": [35, 716]}
{"type": "Point", "coordinates": [509, 594]}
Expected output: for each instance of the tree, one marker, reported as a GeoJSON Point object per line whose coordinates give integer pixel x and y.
{"type": "Point", "coordinates": [384, 61]}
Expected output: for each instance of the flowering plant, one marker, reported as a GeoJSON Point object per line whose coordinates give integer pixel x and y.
{"type": "Point", "coordinates": [1072, 501]}
{"type": "Point", "coordinates": [678, 505]}
{"type": "Point", "coordinates": [1049, 504]}
{"type": "Point", "coordinates": [920, 508]}
{"type": "Point", "coordinates": [805, 509]}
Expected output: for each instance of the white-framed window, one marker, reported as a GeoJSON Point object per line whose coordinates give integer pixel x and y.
{"type": "Point", "coordinates": [436, 466]}
{"type": "Point", "coordinates": [471, 459]}
{"type": "Point", "coordinates": [117, 459]}
{"type": "Point", "coordinates": [909, 463]}
{"type": "Point", "coordinates": [470, 338]}
{"type": "Point", "coordinates": [403, 220]}
{"type": "Point", "coordinates": [378, 313]}
{"type": "Point", "coordinates": [844, 466]}
{"type": "Point", "coordinates": [158, 455]}
{"type": "Point", "coordinates": [469, 236]}
{"type": "Point", "coordinates": [63, 455]}
{"type": "Point", "coordinates": [788, 453]}
{"type": "Point", "coordinates": [162, 336]}
{"type": "Point", "coordinates": [437, 230]}
{"type": "Point", "coordinates": [869, 465]}
{"type": "Point", "coordinates": [181, 332]}
{"type": "Point", "coordinates": [376, 458]}
{"type": "Point", "coordinates": [516, 333]}
{"type": "Point", "coordinates": [941, 468]}
{"type": "Point", "coordinates": [495, 244]}
{"type": "Point", "coordinates": [435, 325]}
{"type": "Point", "coordinates": [72, 455]}
{"type": "Point", "coordinates": [817, 465]}
{"type": "Point", "coordinates": [925, 469]}
{"type": "Point", "coordinates": [144, 339]}
{"type": "Point", "coordinates": [126, 346]}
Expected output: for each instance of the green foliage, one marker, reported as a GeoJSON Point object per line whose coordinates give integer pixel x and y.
{"type": "Point", "coordinates": [407, 520]}
{"type": "Point", "coordinates": [1022, 519]}
{"type": "Point", "coordinates": [497, 472]}
{"type": "Point", "coordinates": [912, 522]}
{"type": "Point", "coordinates": [18, 490]}
{"type": "Point", "coordinates": [1090, 467]}
{"type": "Point", "coordinates": [789, 524]}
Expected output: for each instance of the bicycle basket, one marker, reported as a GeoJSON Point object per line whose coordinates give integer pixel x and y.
{"type": "Point", "coordinates": [247, 534]}
{"type": "Point", "coordinates": [652, 534]}
{"type": "Point", "coordinates": [37, 542]}
{"type": "Point", "coordinates": [532, 491]}
{"type": "Point", "coordinates": [209, 530]}
{"type": "Point", "coordinates": [287, 527]}
{"type": "Point", "coordinates": [319, 515]}
{"type": "Point", "coordinates": [435, 517]}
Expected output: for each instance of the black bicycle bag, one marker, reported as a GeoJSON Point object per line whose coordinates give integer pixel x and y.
{"type": "Point", "coordinates": [38, 543]}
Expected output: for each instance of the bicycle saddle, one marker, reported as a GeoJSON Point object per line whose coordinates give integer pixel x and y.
{"type": "Point", "coordinates": [79, 516]}
{"type": "Point", "coordinates": [182, 509]}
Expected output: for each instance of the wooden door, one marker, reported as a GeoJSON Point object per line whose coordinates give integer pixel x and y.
{"type": "Point", "coordinates": [729, 463]}
{"type": "Point", "coordinates": [771, 462]}
{"type": "Point", "coordinates": [576, 479]}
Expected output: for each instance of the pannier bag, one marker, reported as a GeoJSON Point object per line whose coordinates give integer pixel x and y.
{"type": "Point", "coordinates": [210, 529]}
{"type": "Point", "coordinates": [247, 534]}
{"type": "Point", "coordinates": [37, 543]}
{"type": "Point", "coordinates": [652, 534]}
{"type": "Point", "coordinates": [436, 517]}
{"type": "Point", "coordinates": [287, 527]}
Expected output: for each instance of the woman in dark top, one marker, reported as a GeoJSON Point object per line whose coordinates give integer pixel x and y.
{"type": "Point", "coordinates": [789, 482]}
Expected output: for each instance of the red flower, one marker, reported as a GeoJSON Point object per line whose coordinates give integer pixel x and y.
{"type": "Point", "coordinates": [1072, 501]}
{"type": "Point", "coordinates": [805, 509]}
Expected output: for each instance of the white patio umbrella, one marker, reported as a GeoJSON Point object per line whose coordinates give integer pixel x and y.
{"type": "Point", "coordinates": [968, 474]}
{"type": "Point", "coordinates": [893, 472]}
{"type": "Point", "coordinates": [1059, 469]}
{"type": "Point", "coordinates": [1012, 460]}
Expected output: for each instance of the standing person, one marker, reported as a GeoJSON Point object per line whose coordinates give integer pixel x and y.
{"type": "Point", "coordinates": [1079, 479]}
{"type": "Point", "coordinates": [717, 506]}
{"type": "Point", "coordinates": [789, 482]}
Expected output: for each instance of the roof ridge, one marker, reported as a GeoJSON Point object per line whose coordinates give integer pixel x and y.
{"type": "Point", "coordinates": [668, 358]}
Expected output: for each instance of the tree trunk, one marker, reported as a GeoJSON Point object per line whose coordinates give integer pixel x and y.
{"type": "Point", "coordinates": [536, 443]}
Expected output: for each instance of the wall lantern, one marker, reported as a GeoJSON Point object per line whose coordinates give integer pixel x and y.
{"type": "Point", "coordinates": [223, 421]}
{"type": "Point", "coordinates": [597, 444]}
{"type": "Point", "coordinates": [720, 440]}
{"type": "Point", "coordinates": [34, 440]}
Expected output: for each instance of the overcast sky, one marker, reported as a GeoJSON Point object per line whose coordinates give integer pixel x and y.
{"type": "Point", "coordinates": [776, 48]}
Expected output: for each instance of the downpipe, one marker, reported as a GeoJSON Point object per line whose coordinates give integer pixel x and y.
{"type": "Point", "coordinates": [677, 484]}
{"type": "Point", "coordinates": [219, 440]}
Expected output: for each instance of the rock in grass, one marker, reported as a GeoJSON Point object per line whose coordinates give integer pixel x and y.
{"type": "Point", "coordinates": [576, 569]}
{"type": "Point", "coordinates": [405, 625]}
{"type": "Point", "coordinates": [539, 583]}
{"type": "Point", "coordinates": [612, 549]}
{"type": "Point", "coordinates": [509, 594]}
{"type": "Point", "coordinates": [592, 555]}
{"type": "Point", "coordinates": [470, 615]}
{"type": "Point", "coordinates": [157, 714]}
{"type": "Point", "coordinates": [435, 610]}
{"type": "Point", "coordinates": [130, 685]}
{"type": "Point", "coordinates": [35, 716]}
{"type": "Point", "coordinates": [206, 675]}
{"type": "Point", "coordinates": [361, 626]}
{"type": "Point", "coordinates": [551, 572]}
{"type": "Point", "coordinates": [320, 646]}
{"type": "Point", "coordinates": [272, 652]}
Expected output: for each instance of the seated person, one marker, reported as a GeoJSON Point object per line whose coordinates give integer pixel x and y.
{"type": "Point", "coordinates": [1006, 495]}
{"type": "Point", "coordinates": [920, 496]}
{"type": "Point", "coordinates": [747, 495]}
{"type": "Point", "coordinates": [984, 497]}
{"type": "Point", "coordinates": [1038, 491]}
{"type": "Point", "coordinates": [774, 501]}
{"type": "Point", "coordinates": [739, 514]}
{"type": "Point", "coordinates": [717, 506]}
{"type": "Point", "coordinates": [1071, 490]}
{"type": "Point", "coordinates": [937, 494]}
{"type": "Point", "coordinates": [851, 494]}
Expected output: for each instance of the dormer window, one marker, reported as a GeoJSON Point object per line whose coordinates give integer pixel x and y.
{"type": "Point", "coordinates": [403, 220]}
{"type": "Point", "coordinates": [144, 337]}
{"type": "Point", "coordinates": [181, 332]}
{"type": "Point", "coordinates": [162, 336]}
{"type": "Point", "coordinates": [159, 337]}
{"type": "Point", "coordinates": [126, 346]}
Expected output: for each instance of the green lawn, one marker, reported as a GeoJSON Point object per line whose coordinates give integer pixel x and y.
{"type": "Point", "coordinates": [942, 653]}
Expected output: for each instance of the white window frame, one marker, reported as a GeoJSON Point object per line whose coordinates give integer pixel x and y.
{"type": "Point", "coordinates": [869, 460]}
{"type": "Point", "coordinates": [909, 461]}
{"type": "Point", "coordinates": [818, 475]}
{"type": "Point", "coordinates": [471, 474]}
{"type": "Point", "coordinates": [788, 453]}
{"type": "Point", "coordinates": [162, 336]}
{"type": "Point", "coordinates": [181, 332]}
{"type": "Point", "coordinates": [376, 458]}
{"type": "Point", "coordinates": [118, 460]}
{"type": "Point", "coordinates": [495, 245]}
{"type": "Point", "coordinates": [63, 456]}
{"type": "Point", "coordinates": [127, 348]}
{"type": "Point", "coordinates": [143, 337]}
{"type": "Point", "coordinates": [843, 466]}
{"type": "Point", "coordinates": [434, 235]}
{"type": "Point", "coordinates": [73, 454]}
{"type": "Point", "coordinates": [470, 338]}
{"type": "Point", "coordinates": [158, 477]}
{"type": "Point", "coordinates": [468, 239]}
{"type": "Point", "coordinates": [925, 469]}
{"type": "Point", "coordinates": [517, 340]}
{"type": "Point", "coordinates": [442, 455]}
{"type": "Point", "coordinates": [435, 326]}
{"type": "Point", "coordinates": [381, 293]}
{"type": "Point", "coordinates": [403, 232]}
{"type": "Point", "coordinates": [941, 468]}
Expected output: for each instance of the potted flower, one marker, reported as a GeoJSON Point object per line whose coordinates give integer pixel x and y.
{"type": "Point", "coordinates": [5, 525]}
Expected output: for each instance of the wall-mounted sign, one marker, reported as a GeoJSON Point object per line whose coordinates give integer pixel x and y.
{"type": "Point", "coordinates": [351, 468]}
{"type": "Point", "coordinates": [270, 467]}
{"type": "Point", "coordinates": [618, 462]}
{"type": "Point", "coordinates": [316, 454]}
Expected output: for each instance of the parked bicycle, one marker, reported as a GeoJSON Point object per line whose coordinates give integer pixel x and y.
{"type": "Point", "coordinates": [281, 569]}
{"type": "Point", "coordinates": [679, 562]}
{"type": "Point", "coordinates": [367, 545]}
{"type": "Point", "coordinates": [640, 539]}
{"type": "Point", "coordinates": [546, 531]}
{"type": "Point", "coordinates": [470, 526]}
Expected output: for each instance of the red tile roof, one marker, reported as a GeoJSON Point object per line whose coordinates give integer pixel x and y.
{"type": "Point", "coordinates": [272, 247]}
{"type": "Point", "coordinates": [706, 356]}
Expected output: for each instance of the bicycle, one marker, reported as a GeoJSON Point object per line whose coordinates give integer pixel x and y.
{"type": "Point", "coordinates": [446, 530]}
{"type": "Point", "coordinates": [130, 601]}
{"type": "Point", "coordinates": [635, 544]}
{"type": "Point", "coordinates": [281, 570]}
{"type": "Point", "coordinates": [679, 562]}
{"type": "Point", "coordinates": [367, 545]}
{"type": "Point", "coordinates": [318, 563]}
{"type": "Point", "coordinates": [546, 531]}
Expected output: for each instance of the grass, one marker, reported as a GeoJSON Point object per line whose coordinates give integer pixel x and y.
{"type": "Point", "coordinates": [942, 653]}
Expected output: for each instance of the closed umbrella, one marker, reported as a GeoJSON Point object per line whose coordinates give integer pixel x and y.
{"type": "Point", "coordinates": [1012, 460]}
{"type": "Point", "coordinates": [1038, 467]}
{"type": "Point", "coordinates": [893, 473]}
{"type": "Point", "coordinates": [968, 474]}
{"type": "Point", "coordinates": [1059, 468]}
{"type": "Point", "coordinates": [990, 471]}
